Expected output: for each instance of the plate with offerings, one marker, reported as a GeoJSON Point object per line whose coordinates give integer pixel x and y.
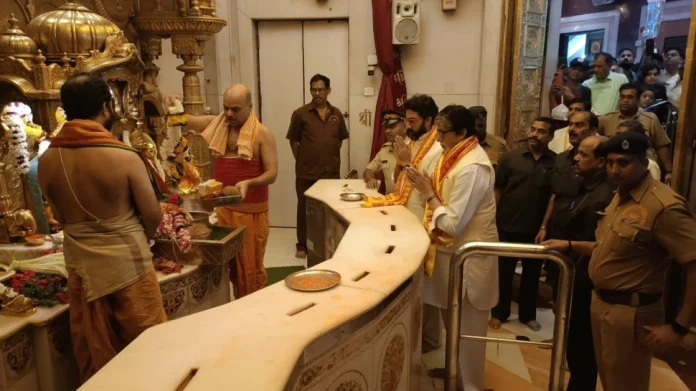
{"type": "Point", "coordinates": [312, 280]}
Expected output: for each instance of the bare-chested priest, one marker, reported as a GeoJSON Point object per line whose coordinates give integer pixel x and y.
{"type": "Point", "coordinates": [246, 157]}
{"type": "Point", "coordinates": [108, 216]}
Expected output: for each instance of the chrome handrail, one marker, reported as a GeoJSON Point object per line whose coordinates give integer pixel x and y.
{"type": "Point", "coordinates": [512, 250]}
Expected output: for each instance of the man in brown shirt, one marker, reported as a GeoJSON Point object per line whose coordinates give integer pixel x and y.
{"type": "Point", "coordinates": [628, 109]}
{"type": "Point", "coordinates": [645, 226]}
{"type": "Point", "coordinates": [494, 146]}
{"type": "Point", "coordinates": [316, 133]}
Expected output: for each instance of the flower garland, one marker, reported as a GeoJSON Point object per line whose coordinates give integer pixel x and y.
{"type": "Point", "coordinates": [18, 153]}
{"type": "Point", "coordinates": [175, 223]}
{"type": "Point", "coordinates": [45, 289]}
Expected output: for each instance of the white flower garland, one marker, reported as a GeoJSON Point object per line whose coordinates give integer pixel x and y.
{"type": "Point", "coordinates": [17, 141]}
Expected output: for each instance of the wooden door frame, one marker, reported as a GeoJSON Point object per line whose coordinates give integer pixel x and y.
{"type": "Point", "coordinates": [507, 92]}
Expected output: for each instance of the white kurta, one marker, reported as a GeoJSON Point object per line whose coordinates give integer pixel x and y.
{"type": "Point", "coordinates": [468, 215]}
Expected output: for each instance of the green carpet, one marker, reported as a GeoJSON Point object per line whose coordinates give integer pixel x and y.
{"type": "Point", "coordinates": [276, 274]}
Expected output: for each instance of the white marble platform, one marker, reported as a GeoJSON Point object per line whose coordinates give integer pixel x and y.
{"type": "Point", "coordinates": [254, 343]}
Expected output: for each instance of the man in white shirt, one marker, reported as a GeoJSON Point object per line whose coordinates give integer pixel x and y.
{"type": "Point", "coordinates": [674, 61]}
{"type": "Point", "coordinates": [460, 208]}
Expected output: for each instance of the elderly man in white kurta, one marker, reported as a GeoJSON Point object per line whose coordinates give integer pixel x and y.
{"type": "Point", "coordinates": [460, 208]}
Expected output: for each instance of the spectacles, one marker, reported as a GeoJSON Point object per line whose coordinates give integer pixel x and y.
{"type": "Point", "coordinates": [443, 132]}
{"type": "Point", "coordinates": [317, 90]}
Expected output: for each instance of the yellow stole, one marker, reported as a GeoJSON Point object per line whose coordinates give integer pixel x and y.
{"type": "Point", "coordinates": [404, 186]}
{"type": "Point", "coordinates": [444, 165]}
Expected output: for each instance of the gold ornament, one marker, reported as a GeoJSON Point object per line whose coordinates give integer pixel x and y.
{"type": "Point", "coordinates": [71, 30]}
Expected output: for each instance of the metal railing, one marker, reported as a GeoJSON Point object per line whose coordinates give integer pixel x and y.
{"type": "Point", "coordinates": [512, 250]}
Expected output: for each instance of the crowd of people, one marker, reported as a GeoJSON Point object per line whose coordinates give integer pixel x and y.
{"type": "Point", "coordinates": [591, 189]}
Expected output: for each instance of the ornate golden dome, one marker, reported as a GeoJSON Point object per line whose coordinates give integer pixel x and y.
{"type": "Point", "coordinates": [14, 42]}
{"type": "Point", "coordinates": [72, 29]}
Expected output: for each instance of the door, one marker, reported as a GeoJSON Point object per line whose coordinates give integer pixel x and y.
{"type": "Point", "coordinates": [290, 53]}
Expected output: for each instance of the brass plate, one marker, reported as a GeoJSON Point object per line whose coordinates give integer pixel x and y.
{"type": "Point", "coordinates": [312, 280]}
{"type": "Point", "coordinates": [352, 197]}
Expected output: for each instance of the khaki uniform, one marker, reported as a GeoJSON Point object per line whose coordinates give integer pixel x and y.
{"type": "Point", "coordinates": [657, 137]}
{"type": "Point", "coordinates": [495, 147]}
{"type": "Point", "coordinates": [385, 161]}
{"type": "Point", "coordinates": [639, 235]}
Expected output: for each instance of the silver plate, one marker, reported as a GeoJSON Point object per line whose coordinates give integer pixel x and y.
{"type": "Point", "coordinates": [352, 197]}
{"type": "Point", "coordinates": [312, 280]}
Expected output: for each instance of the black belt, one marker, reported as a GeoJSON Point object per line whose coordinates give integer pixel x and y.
{"type": "Point", "coordinates": [633, 299]}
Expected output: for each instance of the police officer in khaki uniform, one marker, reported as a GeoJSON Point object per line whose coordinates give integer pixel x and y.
{"type": "Point", "coordinates": [629, 98]}
{"type": "Point", "coordinates": [644, 227]}
{"type": "Point", "coordinates": [382, 166]}
{"type": "Point", "coordinates": [494, 146]}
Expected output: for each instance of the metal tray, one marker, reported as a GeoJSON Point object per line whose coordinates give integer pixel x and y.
{"type": "Point", "coordinates": [352, 197]}
{"type": "Point", "coordinates": [222, 246]}
{"type": "Point", "coordinates": [312, 280]}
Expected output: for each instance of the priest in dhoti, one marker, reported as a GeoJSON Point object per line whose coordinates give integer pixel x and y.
{"type": "Point", "coordinates": [459, 208]}
{"type": "Point", "coordinates": [108, 216]}
{"type": "Point", "coordinates": [245, 157]}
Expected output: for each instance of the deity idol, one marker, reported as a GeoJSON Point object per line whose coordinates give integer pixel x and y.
{"type": "Point", "coordinates": [176, 159]}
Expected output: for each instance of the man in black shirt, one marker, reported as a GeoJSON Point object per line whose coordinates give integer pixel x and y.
{"type": "Point", "coordinates": [565, 180]}
{"type": "Point", "coordinates": [522, 190]}
{"type": "Point", "coordinates": [574, 217]}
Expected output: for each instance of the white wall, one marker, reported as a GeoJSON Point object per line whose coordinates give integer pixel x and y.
{"type": "Point", "coordinates": [169, 79]}
{"type": "Point", "coordinates": [456, 60]}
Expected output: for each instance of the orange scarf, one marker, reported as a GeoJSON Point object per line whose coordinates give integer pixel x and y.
{"type": "Point", "coordinates": [444, 165]}
{"type": "Point", "coordinates": [80, 133]}
{"type": "Point", "coordinates": [404, 186]}
{"type": "Point", "coordinates": [217, 132]}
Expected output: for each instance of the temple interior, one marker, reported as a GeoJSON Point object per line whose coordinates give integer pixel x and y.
{"type": "Point", "coordinates": [287, 264]}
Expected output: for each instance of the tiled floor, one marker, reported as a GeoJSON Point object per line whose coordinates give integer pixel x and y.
{"type": "Point", "coordinates": [508, 367]}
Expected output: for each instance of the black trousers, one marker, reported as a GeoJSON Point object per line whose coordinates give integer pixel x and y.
{"type": "Point", "coordinates": [529, 288]}
{"type": "Point", "coordinates": [301, 186]}
{"type": "Point", "coordinates": [580, 352]}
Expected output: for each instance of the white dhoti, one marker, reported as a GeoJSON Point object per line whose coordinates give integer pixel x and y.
{"type": "Point", "coordinates": [473, 321]}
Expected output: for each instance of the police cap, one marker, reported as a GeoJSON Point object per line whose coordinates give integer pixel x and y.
{"type": "Point", "coordinates": [625, 143]}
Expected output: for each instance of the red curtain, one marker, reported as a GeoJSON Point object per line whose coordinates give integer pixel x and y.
{"type": "Point", "coordinates": [392, 91]}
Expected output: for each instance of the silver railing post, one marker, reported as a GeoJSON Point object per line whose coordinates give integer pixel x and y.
{"type": "Point", "coordinates": [512, 250]}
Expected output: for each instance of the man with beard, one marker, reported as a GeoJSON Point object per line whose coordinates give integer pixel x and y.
{"type": "Point", "coordinates": [494, 146]}
{"type": "Point", "coordinates": [382, 166]}
{"type": "Point", "coordinates": [246, 157]}
{"type": "Point", "coordinates": [628, 109]}
{"type": "Point", "coordinates": [460, 208]}
{"type": "Point", "coordinates": [523, 189]}
{"type": "Point", "coordinates": [574, 217]}
{"type": "Point", "coordinates": [674, 69]}
{"type": "Point", "coordinates": [100, 191]}
{"type": "Point", "coordinates": [645, 227]}
{"type": "Point", "coordinates": [316, 133]}
{"type": "Point", "coordinates": [421, 111]}
{"type": "Point", "coordinates": [627, 64]}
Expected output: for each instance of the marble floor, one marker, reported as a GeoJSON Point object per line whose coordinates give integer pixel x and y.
{"type": "Point", "coordinates": [508, 367]}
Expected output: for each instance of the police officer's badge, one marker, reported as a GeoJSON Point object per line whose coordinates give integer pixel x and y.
{"type": "Point", "coordinates": [625, 145]}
